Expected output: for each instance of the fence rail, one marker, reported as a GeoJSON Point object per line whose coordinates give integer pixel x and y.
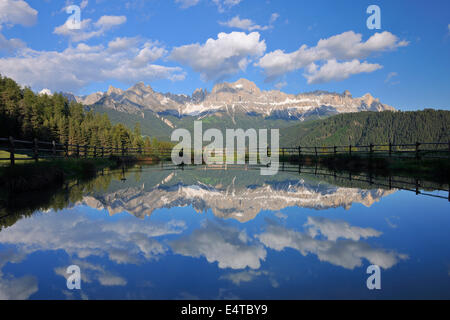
{"type": "Point", "coordinates": [36, 149]}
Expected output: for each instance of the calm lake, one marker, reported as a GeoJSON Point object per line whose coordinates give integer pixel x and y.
{"type": "Point", "coordinates": [159, 232]}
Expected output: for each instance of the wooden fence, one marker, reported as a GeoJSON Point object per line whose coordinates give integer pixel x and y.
{"type": "Point", "coordinates": [417, 150]}
{"type": "Point", "coordinates": [35, 150]}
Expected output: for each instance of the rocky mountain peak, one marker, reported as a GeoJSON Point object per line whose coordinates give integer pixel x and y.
{"type": "Point", "coordinates": [233, 99]}
{"type": "Point", "coordinates": [247, 85]}
{"type": "Point", "coordinates": [141, 88]}
{"type": "Point", "coordinates": [114, 91]}
{"type": "Point", "coordinates": [199, 95]}
{"type": "Point", "coordinates": [368, 99]}
{"type": "Point", "coordinates": [347, 94]}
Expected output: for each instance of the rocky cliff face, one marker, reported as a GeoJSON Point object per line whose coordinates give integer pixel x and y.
{"type": "Point", "coordinates": [242, 96]}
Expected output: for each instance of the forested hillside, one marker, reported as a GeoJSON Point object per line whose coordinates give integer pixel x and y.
{"type": "Point", "coordinates": [26, 115]}
{"type": "Point", "coordinates": [363, 128]}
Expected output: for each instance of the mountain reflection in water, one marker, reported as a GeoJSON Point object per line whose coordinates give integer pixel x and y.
{"type": "Point", "coordinates": [218, 234]}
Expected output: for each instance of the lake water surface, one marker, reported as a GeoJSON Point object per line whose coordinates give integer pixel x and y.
{"type": "Point", "coordinates": [158, 232]}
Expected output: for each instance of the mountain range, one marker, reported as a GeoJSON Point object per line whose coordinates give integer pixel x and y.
{"type": "Point", "coordinates": [229, 105]}
{"type": "Point", "coordinates": [230, 194]}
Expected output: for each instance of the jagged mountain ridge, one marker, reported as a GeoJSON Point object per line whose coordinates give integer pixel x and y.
{"type": "Point", "coordinates": [240, 97]}
{"type": "Point", "coordinates": [231, 201]}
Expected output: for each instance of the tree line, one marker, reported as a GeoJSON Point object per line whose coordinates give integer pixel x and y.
{"type": "Point", "coordinates": [26, 115]}
{"type": "Point", "coordinates": [363, 128]}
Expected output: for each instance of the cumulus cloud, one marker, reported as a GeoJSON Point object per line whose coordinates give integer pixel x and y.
{"type": "Point", "coordinates": [12, 288]}
{"type": "Point", "coordinates": [221, 57]}
{"type": "Point", "coordinates": [217, 242]}
{"type": "Point", "coordinates": [88, 29]}
{"type": "Point", "coordinates": [17, 12]}
{"type": "Point", "coordinates": [90, 272]}
{"type": "Point", "coordinates": [336, 229]}
{"type": "Point", "coordinates": [244, 24]}
{"type": "Point", "coordinates": [14, 12]}
{"type": "Point", "coordinates": [10, 45]}
{"type": "Point", "coordinates": [347, 253]}
{"type": "Point", "coordinates": [335, 71]}
{"type": "Point", "coordinates": [247, 24]}
{"type": "Point", "coordinates": [124, 241]}
{"type": "Point", "coordinates": [344, 46]}
{"type": "Point", "coordinates": [77, 67]}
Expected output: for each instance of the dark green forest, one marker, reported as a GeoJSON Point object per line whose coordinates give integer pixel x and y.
{"type": "Point", "coordinates": [363, 128]}
{"type": "Point", "coordinates": [26, 115]}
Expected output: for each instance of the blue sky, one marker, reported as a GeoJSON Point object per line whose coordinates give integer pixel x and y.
{"type": "Point", "coordinates": [181, 45]}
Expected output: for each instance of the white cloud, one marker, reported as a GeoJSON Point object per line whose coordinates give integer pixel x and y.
{"type": "Point", "coordinates": [17, 12]}
{"type": "Point", "coordinates": [107, 22]}
{"type": "Point", "coordinates": [90, 272]}
{"type": "Point", "coordinates": [390, 76]}
{"type": "Point", "coordinates": [77, 67]}
{"type": "Point", "coordinates": [187, 3]}
{"type": "Point", "coordinates": [347, 253]}
{"type": "Point", "coordinates": [10, 45]}
{"type": "Point", "coordinates": [335, 71]}
{"type": "Point", "coordinates": [247, 24]}
{"type": "Point", "coordinates": [344, 46]}
{"type": "Point", "coordinates": [14, 12]}
{"type": "Point", "coordinates": [244, 276]}
{"type": "Point", "coordinates": [336, 229]}
{"type": "Point", "coordinates": [84, 4]}
{"type": "Point", "coordinates": [274, 17]}
{"type": "Point", "coordinates": [12, 288]}
{"type": "Point", "coordinates": [227, 246]}
{"type": "Point", "coordinates": [17, 288]}
{"type": "Point", "coordinates": [88, 29]}
{"type": "Point", "coordinates": [125, 241]}
{"type": "Point", "coordinates": [221, 57]}
{"type": "Point", "coordinates": [222, 5]}
{"type": "Point", "coordinates": [244, 24]}
{"type": "Point", "coordinates": [120, 44]}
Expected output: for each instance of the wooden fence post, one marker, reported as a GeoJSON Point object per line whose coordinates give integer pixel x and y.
{"type": "Point", "coordinates": [371, 149]}
{"type": "Point", "coordinates": [85, 151]}
{"type": "Point", "coordinates": [350, 150]}
{"type": "Point", "coordinates": [95, 152]}
{"type": "Point", "coordinates": [417, 150]}
{"type": "Point", "coordinates": [54, 149]}
{"type": "Point", "coordinates": [299, 153]}
{"type": "Point", "coordinates": [335, 150]}
{"type": "Point", "coordinates": [11, 150]}
{"type": "Point", "coordinates": [66, 150]}
{"type": "Point", "coordinates": [103, 152]}
{"type": "Point", "coordinates": [78, 150]}
{"type": "Point", "coordinates": [315, 149]}
{"type": "Point", "coordinates": [36, 150]}
{"type": "Point", "coordinates": [390, 149]}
